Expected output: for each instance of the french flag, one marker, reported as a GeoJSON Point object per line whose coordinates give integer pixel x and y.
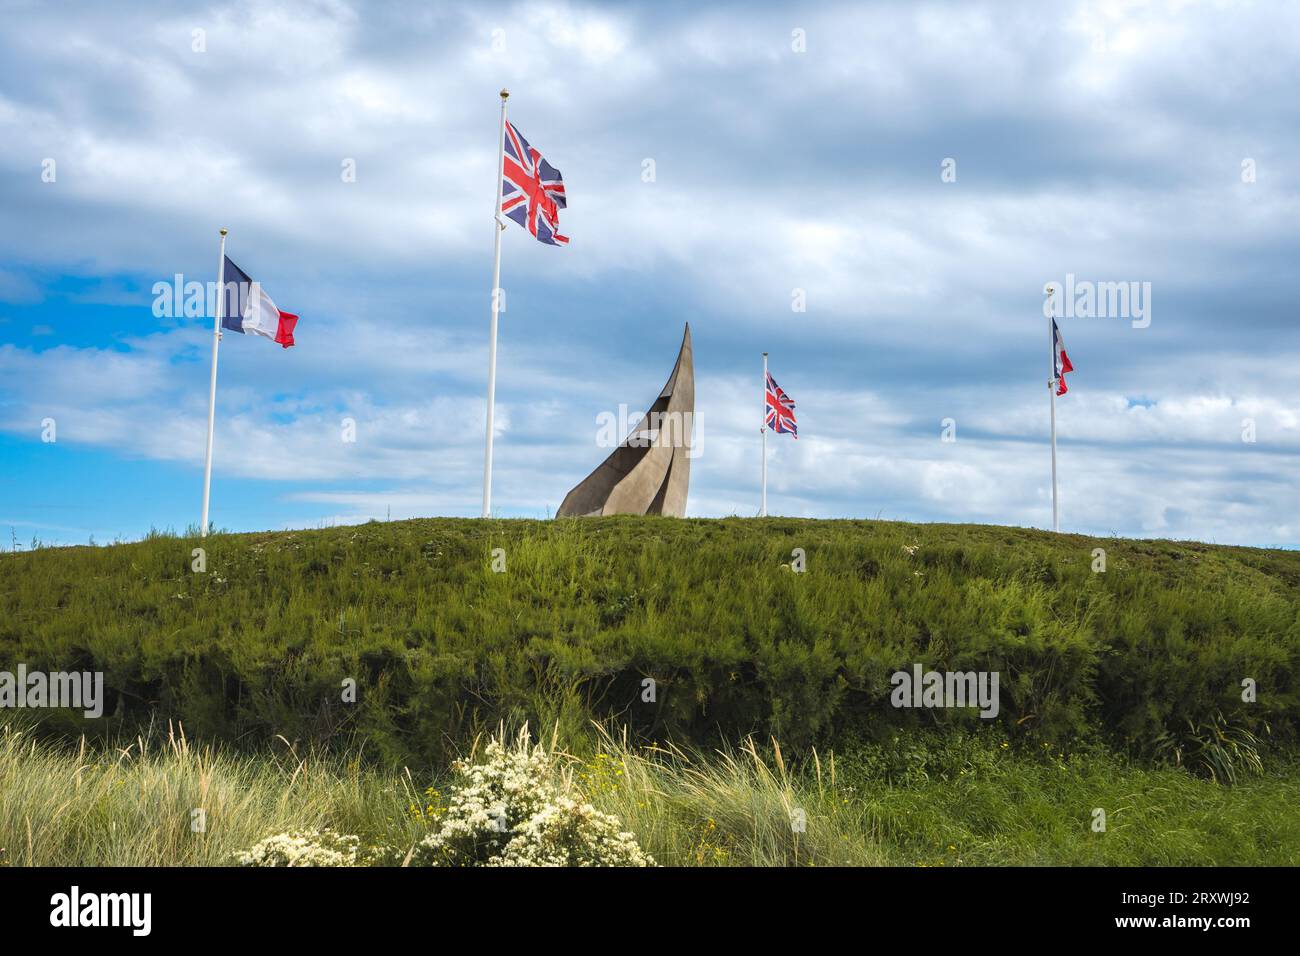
{"type": "Point", "coordinates": [1060, 361]}
{"type": "Point", "coordinates": [250, 309]}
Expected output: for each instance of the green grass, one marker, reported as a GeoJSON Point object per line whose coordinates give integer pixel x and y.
{"type": "Point", "coordinates": [966, 801]}
{"type": "Point", "coordinates": [442, 648]}
{"type": "Point", "coordinates": [1106, 680]}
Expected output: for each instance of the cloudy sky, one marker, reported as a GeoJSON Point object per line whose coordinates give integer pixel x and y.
{"type": "Point", "coordinates": [915, 172]}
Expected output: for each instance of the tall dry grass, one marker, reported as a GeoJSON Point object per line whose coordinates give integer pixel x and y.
{"type": "Point", "coordinates": [961, 802]}
{"type": "Point", "coordinates": [735, 807]}
{"type": "Point", "coordinates": [134, 804]}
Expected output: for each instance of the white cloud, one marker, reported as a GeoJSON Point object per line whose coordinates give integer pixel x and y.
{"type": "Point", "coordinates": [775, 170]}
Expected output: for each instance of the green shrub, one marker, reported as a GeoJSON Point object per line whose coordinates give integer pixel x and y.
{"type": "Point", "coordinates": [441, 648]}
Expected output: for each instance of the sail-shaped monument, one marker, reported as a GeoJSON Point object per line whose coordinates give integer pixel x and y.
{"type": "Point", "coordinates": [649, 472]}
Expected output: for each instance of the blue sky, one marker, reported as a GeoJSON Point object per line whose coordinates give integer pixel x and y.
{"type": "Point", "coordinates": [1102, 140]}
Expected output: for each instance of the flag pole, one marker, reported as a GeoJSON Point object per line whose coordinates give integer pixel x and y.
{"type": "Point", "coordinates": [762, 513]}
{"type": "Point", "coordinates": [496, 296]}
{"type": "Point", "coordinates": [1051, 390]}
{"type": "Point", "coordinates": [212, 388]}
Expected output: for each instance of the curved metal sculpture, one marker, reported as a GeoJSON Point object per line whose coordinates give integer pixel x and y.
{"type": "Point", "coordinates": [649, 472]}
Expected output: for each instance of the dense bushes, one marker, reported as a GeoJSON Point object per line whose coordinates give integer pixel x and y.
{"type": "Point", "coordinates": [440, 646]}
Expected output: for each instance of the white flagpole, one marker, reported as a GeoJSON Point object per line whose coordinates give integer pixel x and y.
{"type": "Point", "coordinates": [496, 296]}
{"type": "Point", "coordinates": [212, 389]}
{"type": "Point", "coordinates": [763, 428]}
{"type": "Point", "coordinates": [1051, 390]}
{"type": "Point", "coordinates": [1056, 518]}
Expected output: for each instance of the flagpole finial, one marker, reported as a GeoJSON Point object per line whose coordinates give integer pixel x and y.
{"type": "Point", "coordinates": [505, 94]}
{"type": "Point", "coordinates": [223, 232]}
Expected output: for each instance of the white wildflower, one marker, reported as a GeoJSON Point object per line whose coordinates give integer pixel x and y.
{"type": "Point", "coordinates": [304, 848]}
{"type": "Point", "coordinates": [510, 811]}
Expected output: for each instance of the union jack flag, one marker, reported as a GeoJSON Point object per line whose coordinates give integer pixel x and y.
{"type": "Point", "coordinates": [780, 409]}
{"type": "Point", "coordinates": [532, 190]}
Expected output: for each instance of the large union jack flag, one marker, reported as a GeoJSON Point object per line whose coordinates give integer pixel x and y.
{"type": "Point", "coordinates": [532, 190]}
{"type": "Point", "coordinates": [780, 409]}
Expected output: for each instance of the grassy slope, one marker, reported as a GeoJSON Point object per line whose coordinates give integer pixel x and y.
{"type": "Point", "coordinates": [441, 646]}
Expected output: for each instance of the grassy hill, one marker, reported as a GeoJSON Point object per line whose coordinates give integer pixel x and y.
{"type": "Point", "coordinates": [1121, 690]}
{"type": "Point", "coordinates": [440, 645]}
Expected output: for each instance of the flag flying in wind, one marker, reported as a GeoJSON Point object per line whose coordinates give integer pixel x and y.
{"type": "Point", "coordinates": [780, 409]}
{"type": "Point", "coordinates": [249, 309]}
{"type": "Point", "coordinates": [1060, 361]}
{"type": "Point", "coordinates": [532, 190]}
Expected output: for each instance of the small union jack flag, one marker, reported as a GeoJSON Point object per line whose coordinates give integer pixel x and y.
{"type": "Point", "coordinates": [780, 409]}
{"type": "Point", "coordinates": [532, 190]}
